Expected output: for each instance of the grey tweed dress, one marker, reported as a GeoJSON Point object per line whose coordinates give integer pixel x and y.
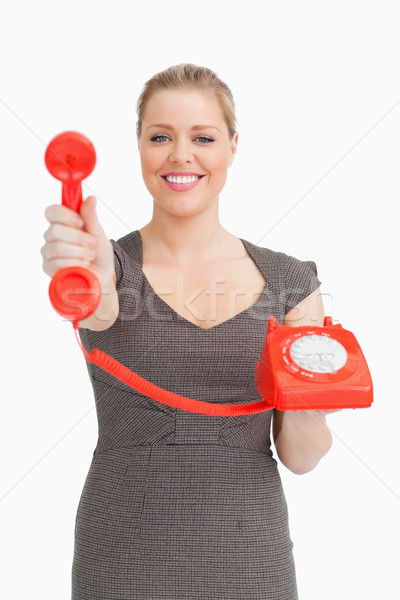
{"type": "Point", "coordinates": [178, 505]}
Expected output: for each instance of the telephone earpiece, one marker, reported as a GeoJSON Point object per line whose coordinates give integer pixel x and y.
{"type": "Point", "coordinates": [70, 157]}
{"type": "Point", "coordinates": [75, 292]}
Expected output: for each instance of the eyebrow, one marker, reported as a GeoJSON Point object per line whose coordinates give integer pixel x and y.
{"type": "Point", "coordinates": [195, 127]}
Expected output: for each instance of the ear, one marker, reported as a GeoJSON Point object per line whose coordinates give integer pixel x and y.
{"type": "Point", "coordinates": [234, 144]}
{"type": "Point", "coordinates": [137, 138]}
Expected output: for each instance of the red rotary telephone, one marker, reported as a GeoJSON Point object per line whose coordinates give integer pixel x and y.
{"type": "Point", "coordinates": [304, 368]}
{"type": "Point", "coordinates": [301, 368]}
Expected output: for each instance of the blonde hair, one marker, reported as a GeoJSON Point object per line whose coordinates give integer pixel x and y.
{"type": "Point", "coordinates": [187, 76]}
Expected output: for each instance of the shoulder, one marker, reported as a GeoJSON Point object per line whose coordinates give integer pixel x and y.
{"type": "Point", "coordinates": [294, 267]}
{"type": "Point", "coordinates": [274, 257]}
{"type": "Point", "coordinates": [298, 280]}
{"type": "Point", "coordinates": [127, 256]}
{"type": "Point", "coordinates": [129, 243]}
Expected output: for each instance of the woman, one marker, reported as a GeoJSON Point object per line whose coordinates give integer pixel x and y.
{"type": "Point", "coordinates": [177, 504]}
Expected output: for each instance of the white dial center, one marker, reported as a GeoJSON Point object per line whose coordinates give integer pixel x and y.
{"type": "Point", "coordinates": [318, 353]}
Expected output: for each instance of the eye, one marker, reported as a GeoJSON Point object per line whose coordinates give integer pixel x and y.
{"type": "Point", "coordinates": [207, 139]}
{"type": "Point", "coordinates": [155, 138]}
{"type": "Point", "coordinates": [160, 138]}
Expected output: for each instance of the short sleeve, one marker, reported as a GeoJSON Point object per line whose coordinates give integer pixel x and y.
{"type": "Point", "coordinates": [301, 281]}
{"type": "Point", "coordinates": [119, 262]}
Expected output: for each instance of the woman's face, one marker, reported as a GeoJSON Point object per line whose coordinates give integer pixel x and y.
{"type": "Point", "coordinates": [184, 132]}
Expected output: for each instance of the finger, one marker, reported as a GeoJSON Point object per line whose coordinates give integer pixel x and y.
{"type": "Point", "coordinates": [89, 216]}
{"type": "Point", "coordinates": [59, 250]}
{"type": "Point", "coordinates": [58, 232]}
{"type": "Point", "coordinates": [57, 213]}
{"type": "Point", "coordinates": [50, 267]}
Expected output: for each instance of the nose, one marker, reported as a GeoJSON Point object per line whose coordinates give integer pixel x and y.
{"type": "Point", "coordinates": [181, 152]}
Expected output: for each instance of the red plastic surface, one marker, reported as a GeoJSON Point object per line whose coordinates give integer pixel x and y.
{"type": "Point", "coordinates": [70, 157]}
{"type": "Point", "coordinates": [286, 386]}
{"type": "Point", "coordinates": [75, 293]}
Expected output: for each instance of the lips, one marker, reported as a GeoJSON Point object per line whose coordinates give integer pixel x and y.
{"type": "Point", "coordinates": [182, 187]}
{"type": "Point", "coordinates": [182, 174]}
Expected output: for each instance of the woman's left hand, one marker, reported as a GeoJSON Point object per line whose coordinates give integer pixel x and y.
{"type": "Point", "coordinates": [316, 413]}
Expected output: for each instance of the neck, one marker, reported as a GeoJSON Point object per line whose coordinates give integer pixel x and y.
{"type": "Point", "coordinates": [192, 240]}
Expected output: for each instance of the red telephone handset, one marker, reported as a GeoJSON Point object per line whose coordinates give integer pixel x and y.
{"type": "Point", "coordinates": [75, 292]}
{"type": "Point", "coordinates": [304, 368]}
{"type": "Point", "coordinates": [300, 367]}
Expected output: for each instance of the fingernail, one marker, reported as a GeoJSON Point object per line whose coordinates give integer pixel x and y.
{"type": "Point", "coordinates": [78, 221]}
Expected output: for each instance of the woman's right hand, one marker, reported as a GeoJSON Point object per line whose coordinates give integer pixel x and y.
{"type": "Point", "coordinates": [68, 244]}
{"type": "Point", "coordinates": [79, 240]}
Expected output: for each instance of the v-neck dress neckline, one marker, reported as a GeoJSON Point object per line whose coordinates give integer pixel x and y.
{"type": "Point", "coordinates": [242, 313]}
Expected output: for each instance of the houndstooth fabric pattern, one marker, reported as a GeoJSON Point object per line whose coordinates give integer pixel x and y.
{"type": "Point", "coordinates": [177, 505]}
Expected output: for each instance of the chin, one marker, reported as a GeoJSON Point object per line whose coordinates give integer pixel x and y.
{"type": "Point", "coordinates": [182, 207]}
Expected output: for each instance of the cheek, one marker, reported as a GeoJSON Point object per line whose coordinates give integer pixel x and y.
{"type": "Point", "coordinates": [219, 166]}
{"type": "Point", "coordinates": [145, 158]}
{"type": "Point", "coordinates": [150, 159]}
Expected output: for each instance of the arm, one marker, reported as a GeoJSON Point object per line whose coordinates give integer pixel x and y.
{"type": "Point", "coordinates": [302, 438]}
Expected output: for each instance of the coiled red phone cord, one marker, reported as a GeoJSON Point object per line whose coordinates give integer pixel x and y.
{"type": "Point", "coordinates": [133, 380]}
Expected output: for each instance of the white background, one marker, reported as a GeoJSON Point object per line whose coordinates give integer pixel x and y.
{"type": "Point", "coordinates": [316, 176]}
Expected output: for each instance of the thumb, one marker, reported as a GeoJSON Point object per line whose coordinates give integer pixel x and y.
{"type": "Point", "coordinates": [89, 216]}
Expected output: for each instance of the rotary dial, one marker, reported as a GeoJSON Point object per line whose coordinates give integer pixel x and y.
{"type": "Point", "coordinates": [318, 353]}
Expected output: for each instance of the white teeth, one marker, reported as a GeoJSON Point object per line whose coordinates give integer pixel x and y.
{"type": "Point", "coordinates": [190, 179]}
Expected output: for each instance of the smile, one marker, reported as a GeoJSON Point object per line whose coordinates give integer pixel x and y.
{"type": "Point", "coordinates": [180, 183]}
{"type": "Point", "coordinates": [182, 179]}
